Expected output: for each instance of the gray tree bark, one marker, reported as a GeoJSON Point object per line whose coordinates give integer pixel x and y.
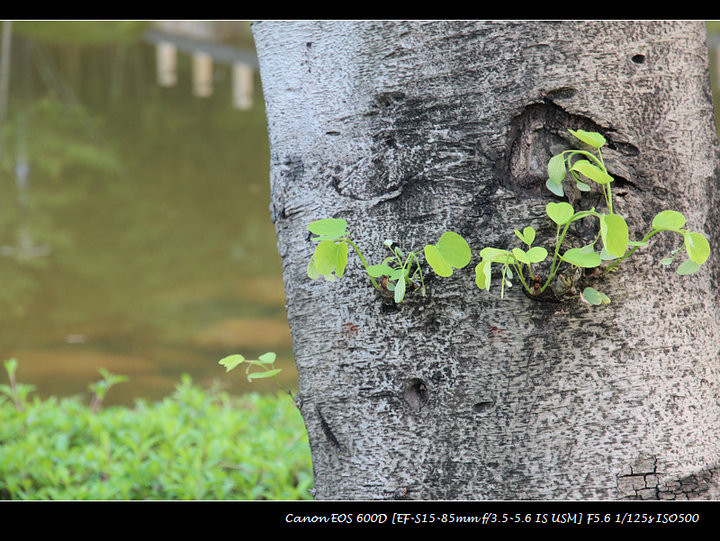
{"type": "Point", "coordinates": [408, 129]}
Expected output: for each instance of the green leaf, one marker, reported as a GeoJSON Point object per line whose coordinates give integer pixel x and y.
{"type": "Point", "coordinates": [520, 255]}
{"type": "Point", "coordinates": [582, 186]}
{"type": "Point", "coordinates": [556, 169]}
{"type": "Point", "coordinates": [328, 227]}
{"type": "Point", "coordinates": [595, 297]}
{"type": "Point", "coordinates": [537, 254]}
{"type": "Point", "coordinates": [594, 139]}
{"type": "Point", "coordinates": [376, 271]}
{"type": "Point", "coordinates": [454, 249]}
{"type": "Point", "coordinates": [331, 257]}
{"type": "Point", "coordinates": [697, 247]}
{"type": "Point", "coordinates": [437, 261]}
{"type": "Point", "coordinates": [264, 374]}
{"type": "Point", "coordinates": [534, 255]}
{"type": "Point", "coordinates": [591, 171]}
{"type": "Point", "coordinates": [614, 233]}
{"type": "Point", "coordinates": [577, 257]}
{"type": "Point", "coordinates": [560, 213]}
{"type": "Point", "coordinates": [342, 258]}
{"type": "Point", "coordinates": [267, 358]}
{"type": "Point", "coordinates": [311, 270]}
{"type": "Point", "coordinates": [450, 251]}
{"type": "Point", "coordinates": [527, 236]}
{"type": "Point", "coordinates": [688, 267]}
{"type": "Point", "coordinates": [399, 291]}
{"type": "Point", "coordinates": [232, 361]}
{"type": "Point", "coordinates": [492, 253]}
{"type": "Point", "coordinates": [482, 274]}
{"type": "Point", "coordinates": [557, 189]}
{"type": "Point", "coordinates": [667, 261]}
{"type": "Point", "coordinates": [605, 256]}
{"type": "Point", "coordinates": [668, 219]}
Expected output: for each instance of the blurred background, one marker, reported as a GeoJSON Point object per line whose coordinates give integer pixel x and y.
{"type": "Point", "coordinates": [135, 234]}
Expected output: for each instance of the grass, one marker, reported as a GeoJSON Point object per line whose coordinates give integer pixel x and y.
{"type": "Point", "coordinates": [196, 444]}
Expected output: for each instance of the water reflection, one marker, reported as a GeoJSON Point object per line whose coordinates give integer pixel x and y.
{"type": "Point", "coordinates": [154, 207]}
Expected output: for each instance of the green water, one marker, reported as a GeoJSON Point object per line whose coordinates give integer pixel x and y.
{"type": "Point", "coordinates": [152, 253]}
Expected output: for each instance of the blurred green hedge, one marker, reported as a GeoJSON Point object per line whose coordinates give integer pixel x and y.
{"type": "Point", "coordinates": [196, 444]}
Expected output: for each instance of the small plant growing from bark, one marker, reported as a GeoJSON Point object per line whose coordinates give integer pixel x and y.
{"type": "Point", "coordinates": [398, 273]}
{"type": "Point", "coordinates": [584, 166]}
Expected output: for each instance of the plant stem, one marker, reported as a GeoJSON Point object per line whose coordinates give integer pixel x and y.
{"type": "Point", "coordinates": [419, 270]}
{"type": "Point", "coordinates": [556, 259]}
{"type": "Point", "coordinates": [519, 271]}
{"type": "Point", "coordinates": [362, 260]}
{"type": "Point", "coordinates": [607, 190]}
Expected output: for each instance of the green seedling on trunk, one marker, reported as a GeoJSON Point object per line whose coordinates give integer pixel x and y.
{"type": "Point", "coordinates": [613, 235]}
{"type": "Point", "coordinates": [398, 273]}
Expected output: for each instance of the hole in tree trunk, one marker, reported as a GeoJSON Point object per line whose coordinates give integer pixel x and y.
{"type": "Point", "coordinates": [483, 406]}
{"type": "Point", "coordinates": [416, 393]}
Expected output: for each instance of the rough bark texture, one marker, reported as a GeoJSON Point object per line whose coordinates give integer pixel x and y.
{"type": "Point", "coordinates": [408, 129]}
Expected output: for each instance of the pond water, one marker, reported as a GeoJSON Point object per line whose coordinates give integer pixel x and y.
{"type": "Point", "coordinates": [135, 234]}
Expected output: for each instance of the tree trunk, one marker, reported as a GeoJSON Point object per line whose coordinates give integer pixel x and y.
{"type": "Point", "coordinates": [409, 129]}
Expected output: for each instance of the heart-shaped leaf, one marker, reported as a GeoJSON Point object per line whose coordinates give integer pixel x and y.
{"type": "Point", "coordinates": [560, 213]}
{"type": "Point", "coordinates": [331, 257]}
{"type": "Point", "coordinates": [450, 251]}
{"type": "Point", "coordinates": [527, 236]}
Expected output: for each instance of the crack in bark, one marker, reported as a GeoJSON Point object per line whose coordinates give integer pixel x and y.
{"type": "Point", "coordinates": [329, 435]}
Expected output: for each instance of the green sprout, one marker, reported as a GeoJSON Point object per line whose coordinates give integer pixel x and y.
{"type": "Point", "coordinates": [585, 166]}
{"type": "Point", "coordinates": [264, 362]}
{"type": "Point", "coordinates": [398, 273]}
